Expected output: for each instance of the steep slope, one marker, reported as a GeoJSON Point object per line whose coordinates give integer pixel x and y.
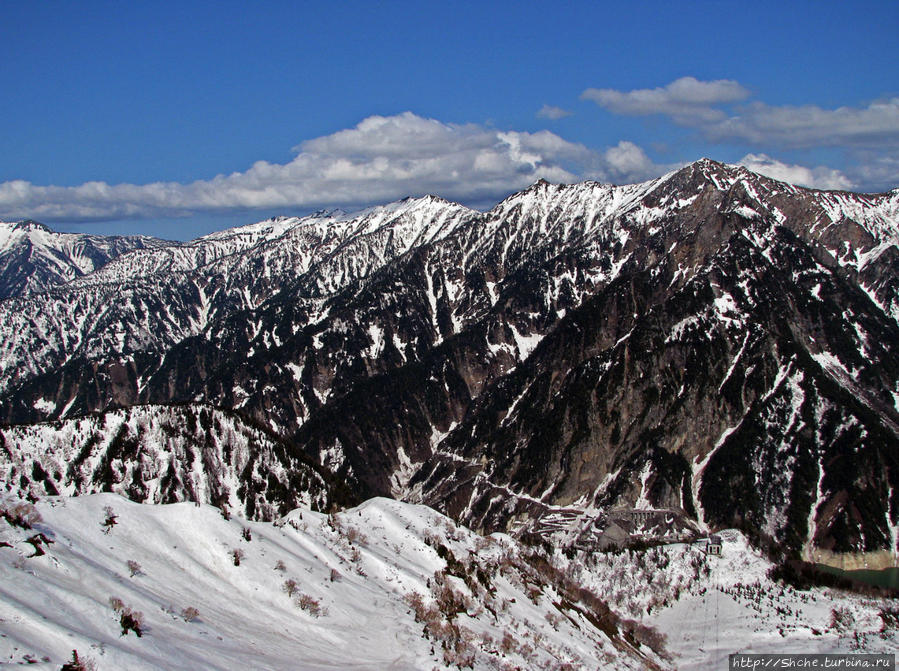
{"type": "Point", "coordinates": [33, 258]}
{"type": "Point", "coordinates": [157, 454]}
{"type": "Point", "coordinates": [384, 585]}
{"type": "Point", "coordinates": [721, 320]}
{"type": "Point", "coordinates": [713, 341]}
{"type": "Point", "coordinates": [745, 397]}
{"type": "Point", "coordinates": [145, 304]}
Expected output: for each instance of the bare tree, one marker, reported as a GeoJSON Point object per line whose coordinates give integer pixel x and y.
{"type": "Point", "coordinates": [110, 521]}
{"type": "Point", "coordinates": [290, 586]}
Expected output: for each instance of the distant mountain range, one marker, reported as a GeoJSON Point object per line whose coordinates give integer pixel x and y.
{"type": "Point", "coordinates": [711, 341]}
{"type": "Point", "coordinates": [33, 258]}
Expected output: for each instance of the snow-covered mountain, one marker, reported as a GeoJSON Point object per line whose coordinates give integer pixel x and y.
{"type": "Point", "coordinates": [165, 454]}
{"type": "Point", "coordinates": [712, 341]}
{"type": "Point", "coordinates": [385, 585]}
{"type": "Point", "coordinates": [150, 302]}
{"type": "Point", "coordinates": [33, 258]}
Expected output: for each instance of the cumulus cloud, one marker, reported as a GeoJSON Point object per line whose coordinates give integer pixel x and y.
{"type": "Point", "coordinates": [380, 159]}
{"type": "Point", "coordinates": [687, 100]}
{"type": "Point", "coordinates": [627, 162]}
{"type": "Point", "coordinates": [816, 178]}
{"type": "Point", "coordinates": [552, 112]}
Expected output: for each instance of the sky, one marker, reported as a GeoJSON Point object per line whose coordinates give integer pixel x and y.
{"type": "Point", "coordinates": [178, 119]}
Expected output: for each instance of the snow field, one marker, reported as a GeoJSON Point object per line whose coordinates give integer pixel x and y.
{"type": "Point", "coordinates": [710, 607]}
{"type": "Point", "coordinates": [353, 571]}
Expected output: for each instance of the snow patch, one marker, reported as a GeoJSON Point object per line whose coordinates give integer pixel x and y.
{"type": "Point", "coordinates": [525, 344]}
{"type": "Point", "coordinates": [45, 406]}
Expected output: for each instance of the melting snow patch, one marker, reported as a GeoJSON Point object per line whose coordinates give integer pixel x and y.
{"type": "Point", "coordinates": [643, 502]}
{"type": "Point", "coordinates": [525, 344]}
{"type": "Point", "coordinates": [296, 371]}
{"type": "Point", "coordinates": [399, 479]}
{"type": "Point", "coordinates": [43, 405]}
{"type": "Point", "coordinates": [698, 470]}
{"type": "Point", "coordinates": [682, 327]}
{"type": "Point", "coordinates": [727, 310]}
{"type": "Point", "coordinates": [376, 333]}
{"type": "Point", "coordinates": [400, 346]}
{"type": "Point", "coordinates": [830, 363]}
{"type": "Point", "coordinates": [747, 212]}
{"type": "Point", "coordinates": [68, 406]}
{"type": "Point", "coordinates": [333, 457]}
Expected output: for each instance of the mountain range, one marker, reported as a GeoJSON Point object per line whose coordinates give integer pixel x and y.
{"type": "Point", "coordinates": [713, 342]}
{"type": "Point", "coordinates": [34, 258]}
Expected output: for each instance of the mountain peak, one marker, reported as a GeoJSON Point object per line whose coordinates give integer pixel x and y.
{"type": "Point", "coordinates": [540, 185]}
{"type": "Point", "coordinates": [708, 163]}
{"type": "Point", "coordinates": [706, 171]}
{"type": "Point", "coordinates": [31, 225]}
{"type": "Point", "coordinates": [711, 168]}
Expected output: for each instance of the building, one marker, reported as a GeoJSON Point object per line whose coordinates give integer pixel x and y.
{"type": "Point", "coordinates": [713, 545]}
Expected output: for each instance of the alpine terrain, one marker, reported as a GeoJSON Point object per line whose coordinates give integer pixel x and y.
{"type": "Point", "coordinates": [34, 258]}
{"type": "Point", "coordinates": [710, 350]}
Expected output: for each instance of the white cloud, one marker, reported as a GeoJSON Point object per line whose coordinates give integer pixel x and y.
{"type": "Point", "coordinates": [878, 173]}
{"type": "Point", "coordinates": [710, 107]}
{"type": "Point", "coordinates": [627, 162]}
{"type": "Point", "coordinates": [811, 126]}
{"type": "Point", "coordinates": [552, 112]}
{"type": "Point", "coordinates": [816, 178]}
{"type": "Point", "coordinates": [378, 160]}
{"type": "Point", "coordinates": [687, 100]}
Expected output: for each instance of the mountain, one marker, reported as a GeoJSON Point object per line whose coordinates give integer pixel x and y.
{"type": "Point", "coordinates": [386, 585]}
{"type": "Point", "coordinates": [713, 342]}
{"type": "Point", "coordinates": [165, 454]}
{"type": "Point", "coordinates": [33, 258]}
{"type": "Point", "coordinates": [145, 304]}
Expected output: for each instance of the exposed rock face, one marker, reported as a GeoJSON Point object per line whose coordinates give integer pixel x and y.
{"type": "Point", "coordinates": [712, 341]}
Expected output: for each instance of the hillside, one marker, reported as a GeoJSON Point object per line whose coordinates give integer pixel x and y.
{"type": "Point", "coordinates": [34, 258]}
{"type": "Point", "coordinates": [712, 341]}
{"type": "Point", "coordinates": [485, 602]}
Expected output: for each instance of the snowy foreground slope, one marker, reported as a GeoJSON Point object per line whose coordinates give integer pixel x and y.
{"type": "Point", "coordinates": [485, 602]}
{"type": "Point", "coordinates": [710, 607]}
{"type": "Point", "coordinates": [376, 555]}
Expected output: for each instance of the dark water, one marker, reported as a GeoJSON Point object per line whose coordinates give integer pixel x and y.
{"type": "Point", "coordinates": [888, 577]}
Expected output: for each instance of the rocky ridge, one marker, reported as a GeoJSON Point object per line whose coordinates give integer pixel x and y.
{"type": "Point", "coordinates": [713, 341]}
{"type": "Point", "coordinates": [34, 258]}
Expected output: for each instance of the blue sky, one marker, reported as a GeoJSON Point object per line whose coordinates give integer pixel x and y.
{"type": "Point", "coordinates": [175, 120]}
